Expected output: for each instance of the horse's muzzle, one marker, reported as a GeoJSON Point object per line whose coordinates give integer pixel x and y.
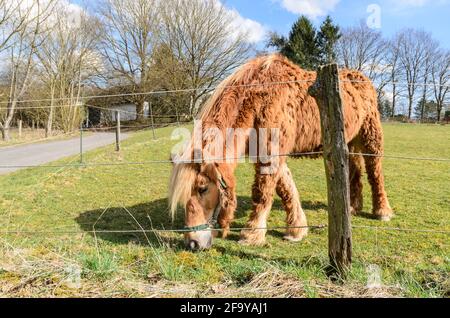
{"type": "Point", "coordinates": [198, 241]}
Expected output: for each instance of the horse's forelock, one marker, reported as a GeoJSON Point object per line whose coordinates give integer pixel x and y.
{"type": "Point", "coordinates": [180, 186]}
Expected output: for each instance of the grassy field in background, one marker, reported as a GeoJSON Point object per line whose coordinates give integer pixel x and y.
{"type": "Point", "coordinates": [78, 200]}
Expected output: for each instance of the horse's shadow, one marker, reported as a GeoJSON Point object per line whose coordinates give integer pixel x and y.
{"type": "Point", "coordinates": [134, 224]}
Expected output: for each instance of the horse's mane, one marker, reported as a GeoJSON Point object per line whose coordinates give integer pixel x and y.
{"type": "Point", "coordinates": [226, 96]}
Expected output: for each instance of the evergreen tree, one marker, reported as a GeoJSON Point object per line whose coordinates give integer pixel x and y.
{"type": "Point", "coordinates": [306, 46]}
{"type": "Point", "coordinates": [327, 38]}
{"type": "Point", "coordinates": [427, 108]}
{"type": "Point", "coordinates": [301, 45]}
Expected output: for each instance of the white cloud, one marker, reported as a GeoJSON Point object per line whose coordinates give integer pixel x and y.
{"type": "Point", "coordinates": [310, 8]}
{"type": "Point", "coordinates": [255, 31]}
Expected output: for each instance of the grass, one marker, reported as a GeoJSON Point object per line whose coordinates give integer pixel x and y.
{"type": "Point", "coordinates": [410, 264]}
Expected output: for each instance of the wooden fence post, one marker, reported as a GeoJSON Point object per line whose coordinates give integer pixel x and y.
{"type": "Point", "coordinates": [326, 91]}
{"type": "Point", "coordinates": [20, 128]}
{"type": "Point", "coordinates": [151, 117]}
{"type": "Point", "coordinates": [117, 130]}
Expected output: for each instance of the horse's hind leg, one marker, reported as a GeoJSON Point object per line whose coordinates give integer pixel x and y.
{"type": "Point", "coordinates": [372, 145]}
{"type": "Point", "coordinates": [262, 196]}
{"type": "Point", "coordinates": [355, 166]}
{"type": "Point", "coordinates": [295, 217]}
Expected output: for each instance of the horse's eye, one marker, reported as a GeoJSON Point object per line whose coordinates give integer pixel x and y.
{"type": "Point", "coordinates": [202, 190]}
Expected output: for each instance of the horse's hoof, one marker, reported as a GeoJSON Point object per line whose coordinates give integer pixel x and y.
{"type": "Point", "coordinates": [384, 218]}
{"type": "Point", "coordinates": [293, 239]}
{"type": "Point", "coordinates": [246, 242]}
{"type": "Point", "coordinates": [384, 215]}
{"type": "Point", "coordinates": [355, 211]}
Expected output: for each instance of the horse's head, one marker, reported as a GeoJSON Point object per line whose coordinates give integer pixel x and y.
{"type": "Point", "coordinates": [206, 192]}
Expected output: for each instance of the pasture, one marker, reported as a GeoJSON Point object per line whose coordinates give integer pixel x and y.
{"type": "Point", "coordinates": [54, 225]}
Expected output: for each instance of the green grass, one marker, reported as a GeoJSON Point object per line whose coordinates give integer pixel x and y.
{"type": "Point", "coordinates": [413, 264]}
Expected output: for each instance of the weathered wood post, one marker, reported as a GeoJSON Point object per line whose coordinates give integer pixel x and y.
{"type": "Point", "coordinates": [19, 124]}
{"type": "Point", "coordinates": [326, 91]}
{"type": "Point", "coordinates": [151, 117]}
{"type": "Point", "coordinates": [117, 130]}
{"type": "Point", "coordinates": [81, 142]}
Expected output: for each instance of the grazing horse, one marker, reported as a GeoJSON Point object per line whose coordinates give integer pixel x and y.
{"type": "Point", "coordinates": [272, 92]}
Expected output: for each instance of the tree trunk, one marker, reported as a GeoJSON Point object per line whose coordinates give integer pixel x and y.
{"type": "Point", "coordinates": [439, 111]}
{"type": "Point", "coordinates": [410, 107]}
{"type": "Point", "coordinates": [394, 99]}
{"type": "Point", "coordinates": [140, 105]}
{"type": "Point", "coordinates": [424, 98]}
{"type": "Point", "coordinates": [5, 134]}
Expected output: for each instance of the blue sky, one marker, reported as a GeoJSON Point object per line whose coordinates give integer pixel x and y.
{"type": "Point", "coordinates": [278, 15]}
{"type": "Point", "coordinates": [260, 16]}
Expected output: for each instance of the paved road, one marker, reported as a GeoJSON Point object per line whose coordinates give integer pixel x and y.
{"type": "Point", "coordinates": [41, 153]}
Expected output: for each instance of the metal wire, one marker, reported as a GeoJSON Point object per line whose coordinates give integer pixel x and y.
{"type": "Point", "coordinates": [232, 229]}
{"type": "Point", "coordinates": [151, 162]}
{"type": "Point", "coordinates": [187, 90]}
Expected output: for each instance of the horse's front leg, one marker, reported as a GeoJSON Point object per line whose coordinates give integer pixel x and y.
{"type": "Point", "coordinates": [295, 217]}
{"type": "Point", "coordinates": [226, 215]}
{"type": "Point", "coordinates": [262, 196]}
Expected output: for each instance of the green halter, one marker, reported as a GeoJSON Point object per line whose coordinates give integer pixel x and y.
{"type": "Point", "coordinates": [212, 224]}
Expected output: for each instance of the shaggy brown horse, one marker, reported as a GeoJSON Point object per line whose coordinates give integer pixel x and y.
{"type": "Point", "coordinates": [243, 101]}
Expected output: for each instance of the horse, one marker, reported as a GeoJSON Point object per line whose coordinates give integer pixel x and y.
{"type": "Point", "coordinates": [272, 92]}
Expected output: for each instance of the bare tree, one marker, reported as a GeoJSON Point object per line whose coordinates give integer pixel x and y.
{"type": "Point", "coordinates": [67, 59]}
{"type": "Point", "coordinates": [431, 51]}
{"type": "Point", "coordinates": [413, 51]}
{"type": "Point", "coordinates": [392, 58]}
{"type": "Point", "coordinates": [364, 49]}
{"type": "Point", "coordinates": [441, 78]}
{"type": "Point", "coordinates": [14, 17]}
{"type": "Point", "coordinates": [206, 42]}
{"type": "Point", "coordinates": [129, 37]}
{"type": "Point", "coordinates": [20, 51]}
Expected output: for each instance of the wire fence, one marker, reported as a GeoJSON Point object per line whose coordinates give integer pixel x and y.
{"type": "Point", "coordinates": [153, 162]}
{"type": "Point", "coordinates": [219, 160]}
{"type": "Point", "coordinates": [189, 90]}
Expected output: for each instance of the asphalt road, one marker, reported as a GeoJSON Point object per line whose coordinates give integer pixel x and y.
{"type": "Point", "coordinates": [42, 153]}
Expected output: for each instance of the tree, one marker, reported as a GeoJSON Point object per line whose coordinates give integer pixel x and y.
{"type": "Point", "coordinates": [384, 107]}
{"type": "Point", "coordinates": [20, 49]}
{"type": "Point", "coordinates": [302, 46]}
{"type": "Point", "coordinates": [425, 110]}
{"type": "Point", "coordinates": [129, 36]}
{"type": "Point", "coordinates": [206, 43]}
{"type": "Point", "coordinates": [440, 74]}
{"type": "Point", "coordinates": [413, 50]}
{"type": "Point", "coordinates": [66, 60]}
{"type": "Point", "coordinates": [393, 71]}
{"type": "Point", "coordinates": [364, 49]}
{"type": "Point", "coordinates": [327, 39]}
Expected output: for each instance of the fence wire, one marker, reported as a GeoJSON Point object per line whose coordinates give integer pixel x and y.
{"type": "Point", "coordinates": [222, 159]}
{"type": "Point", "coordinates": [188, 90]}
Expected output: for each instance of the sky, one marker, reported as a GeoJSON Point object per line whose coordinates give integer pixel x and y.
{"type": "Point", "coordinates": [262, 16]}
{"type": "Point", "coordinates": [279, 15]}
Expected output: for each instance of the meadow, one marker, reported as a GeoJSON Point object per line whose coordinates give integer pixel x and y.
{"type": "Point", "coordinates": [54, 224]}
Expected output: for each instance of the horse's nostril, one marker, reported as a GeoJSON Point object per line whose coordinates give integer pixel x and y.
{"type": "Point", "coordinates": [193, 245]}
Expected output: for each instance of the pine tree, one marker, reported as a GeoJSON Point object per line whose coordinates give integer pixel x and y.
{"type": "Point", "coordinates": [327, 38]}
{"type": "Point", "coordinates": [301, 46]}
{"type": "Point", "coordinates": [307, 47]}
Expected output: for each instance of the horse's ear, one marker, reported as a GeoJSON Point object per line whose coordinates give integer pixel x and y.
{"type": "Point", "coordinates": [225, 175]}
